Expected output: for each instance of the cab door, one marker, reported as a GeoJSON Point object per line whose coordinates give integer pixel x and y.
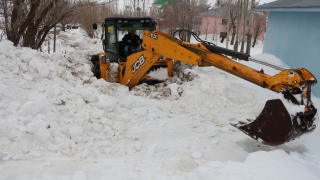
{"type": "Point", "coordinates": [111, 42]}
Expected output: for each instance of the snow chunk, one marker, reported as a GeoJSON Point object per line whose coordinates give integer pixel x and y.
{"type": "Point", "coordinates": [79, 176]}
{"type": "Point", "coordinates": [75, 130]}
{"type": "Point", "coordinates": [197, 155]}
{"type": "Point", "coordinates": [176, 90]}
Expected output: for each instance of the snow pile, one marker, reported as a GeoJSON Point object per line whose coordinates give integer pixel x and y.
{"type": "Point", "coordinates": [53, 106]}
{"type": "Point", "coordinates": [77, 127]}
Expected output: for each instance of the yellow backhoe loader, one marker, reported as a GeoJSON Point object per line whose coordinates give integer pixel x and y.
{"type": "Point", "coordinates": [274, 126]}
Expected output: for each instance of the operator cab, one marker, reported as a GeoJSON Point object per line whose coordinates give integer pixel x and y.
{"type": "Point", "coordinates": [116, 27]}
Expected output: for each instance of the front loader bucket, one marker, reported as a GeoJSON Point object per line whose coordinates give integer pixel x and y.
{"type": "Point", "coordinates": [275, 126]}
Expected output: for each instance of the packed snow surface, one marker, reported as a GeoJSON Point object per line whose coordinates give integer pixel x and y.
{"type": "Point", "coordinates": [59, 122]}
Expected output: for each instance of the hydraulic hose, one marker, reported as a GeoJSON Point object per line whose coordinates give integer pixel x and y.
{"type": "Point", "coordinates": [241, 56]}
{"type": "Point", "coordinates": [216, 49]}
{"type": "Point", "coordinates": [228, 52]}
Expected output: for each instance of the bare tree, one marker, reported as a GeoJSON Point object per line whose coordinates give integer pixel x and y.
{"type": "Point", "coordinates": [230, 9]}
{"type": "Point", "coordinates": [245, 9]}
{"type": "Point", "coordinates": [29, 21]}
{"type": "Point", "coordinates": [145, 10]}
{"type": "Point", "coordinates": [169, 25]}
{"type": "Point", "coordinates": [259, 26]}
{"type": "Point", "coordinates": [234, 12]}
{"type": "Point", "coordinates": [66, 22]}
{"type": "Point", "coordinates": [215, 30]}
{"type": "Point", "coordinates": [228, 20]}
{"type": "Point", "coordinates": [87, 16]}
{"type": "Point", "coordinates": [184, 13]}
{"type": "Point", "coordinates": [129, 8]}
{"type": "Point", "coordinates": [243, 16]}
{"type": "Point", "coordinates": [250, 25]}
{"type": "Point", "coordinates": [236, 44]}
{"type": "Point", "coordinates": [207, 23]}
{"type": "Point", "coordinates": [96, 13]}
{"type": "Point", "coordinates": [136, 8]}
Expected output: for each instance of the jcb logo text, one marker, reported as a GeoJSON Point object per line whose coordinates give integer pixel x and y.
{"type": "Point", "coordinates": [136, 65]}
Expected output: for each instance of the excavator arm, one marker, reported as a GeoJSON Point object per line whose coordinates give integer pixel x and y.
{"type": "Point", "coordinates": [163, 44]}
{"type": "Point", "coordinates": [275, 125]}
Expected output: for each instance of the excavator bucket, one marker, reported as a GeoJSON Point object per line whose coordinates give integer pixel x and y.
{"type": "Point", "coordinates": [275, 126]}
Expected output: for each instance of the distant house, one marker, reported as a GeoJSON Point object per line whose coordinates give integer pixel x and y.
{"type": "Point", "coordinates": [293, 34]}
{"type": "Point", "coordinates": [215, 21]}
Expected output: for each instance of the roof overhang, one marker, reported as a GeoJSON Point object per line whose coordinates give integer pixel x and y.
{"type": "Point", "coordinates": [310, 9]}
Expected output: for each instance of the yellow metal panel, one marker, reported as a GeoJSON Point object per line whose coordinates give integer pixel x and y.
{"type": "Point", "coordinates": [163, 45]}
{"type": "Point", "coordinates": [137, 65]}
{"type": "Point", "coordinates": [103, 67]}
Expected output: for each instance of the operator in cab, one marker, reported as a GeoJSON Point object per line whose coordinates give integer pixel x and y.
{"type": "Point", "coordinates": [131, 42]}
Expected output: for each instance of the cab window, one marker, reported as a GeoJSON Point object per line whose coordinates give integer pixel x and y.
{"type": "Point", "coordinates": [110, 44]}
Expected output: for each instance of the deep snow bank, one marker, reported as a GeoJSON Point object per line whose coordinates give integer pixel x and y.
{"type": "Point", "coordinates": [52, 109]}
{"type": "Point", "coordinates": [53, 106]}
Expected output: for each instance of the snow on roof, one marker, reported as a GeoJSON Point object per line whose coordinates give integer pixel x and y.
{"type": "Point", "coordinates": [290, 4]}
{"type": "Point", "coordinates": [214, 12]}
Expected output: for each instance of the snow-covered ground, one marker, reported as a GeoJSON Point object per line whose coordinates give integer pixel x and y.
{"type": "Point", "coordinates": [59, 122]}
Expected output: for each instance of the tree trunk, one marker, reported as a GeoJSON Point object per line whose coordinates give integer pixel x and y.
{"type": "Point", "coordinates": [235, 47]}
{"type": "Point", "coordinates": [12, 30]}
{"type": "Point", "coordinates": [245, 9]}
{"type": "Point", "coordinates": [24, 20]}
{"type": "Point", "coordinates": [254, 41]}
{"type": "Point", "coordinates": [29, 37]}
{"type": "Point", "coordinates": [256, 34]}
{"type": "Point", "coordinates": [234, 32]}
{"type": "Point", "coordinates": [31, 15]}
{"type": "Point", "coordinates": [222, 39]}
{"type": "Point", "coordinates": [249, 37]}
{"type": "Point", "coordinates": [41, 37]}
{"type": "Point", "coordinates": [54, 38]}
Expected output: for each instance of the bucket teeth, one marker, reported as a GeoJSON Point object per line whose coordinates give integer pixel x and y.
{"type": "Point", "coordinates": [250, 120]}
{"type": "Point", "coordinates": [239, 124]}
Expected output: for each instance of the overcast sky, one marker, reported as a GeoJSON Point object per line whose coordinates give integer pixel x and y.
{"type": "Point", "coordinates": [266, 1]}
{"type": "Point", "coordinates": [121, 2]}
{"type": "Point", "coordinates": [261, 1]}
